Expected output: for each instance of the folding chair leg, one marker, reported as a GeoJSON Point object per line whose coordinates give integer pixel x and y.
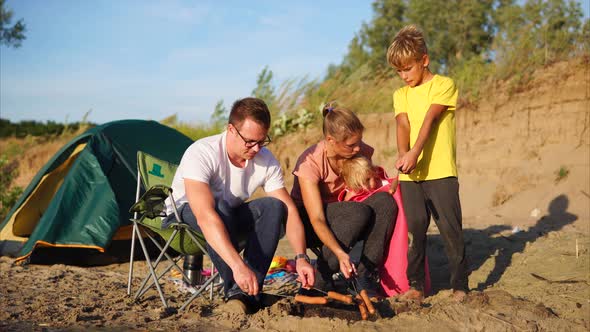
{"type": "Point", "coordinates": [143, 288]}
{"type": "Point", "coordinates": [178, 269]}
{"type": "Point", "coordinates": [131, 256]}
{"type": "Point", "coordinates": [201, 289]}
{"type": "Point", "coordinates": [131, 259]}
{"type": "Point", "coordinates": [213, 284]}
{"type": "Point", "coordinates": [151, 268]}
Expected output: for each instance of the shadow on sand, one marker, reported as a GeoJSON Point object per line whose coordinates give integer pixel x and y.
{"type": "Point", "coordinates": [483, 244]}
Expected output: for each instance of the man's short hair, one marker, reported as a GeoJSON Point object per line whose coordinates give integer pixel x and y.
{"type": "Point", "coordinates": [251, 108]}
{"type": "Point", "coordinates": [407, 45]}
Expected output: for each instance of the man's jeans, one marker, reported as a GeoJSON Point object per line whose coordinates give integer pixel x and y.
{"type": "Point", "coordinates": [255, 226]}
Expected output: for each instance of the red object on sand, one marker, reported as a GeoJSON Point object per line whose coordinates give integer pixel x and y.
{"type": "Point", "coordinates": [290, 267]}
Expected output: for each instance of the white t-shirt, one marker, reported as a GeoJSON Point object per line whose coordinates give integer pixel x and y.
{"type": "Point", "coordinates": [206, 161]}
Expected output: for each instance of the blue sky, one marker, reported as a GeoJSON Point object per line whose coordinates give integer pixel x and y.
{"type": "Point", "coordinates": [151, 59]}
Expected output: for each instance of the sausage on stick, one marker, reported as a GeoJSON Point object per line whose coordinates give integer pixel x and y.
{"type": "Point", "coordinates": [340, 297]}
{"type": "Point", "coordinates": [310, 299]}
{"type": "Point", "coordinates": [367, 301]}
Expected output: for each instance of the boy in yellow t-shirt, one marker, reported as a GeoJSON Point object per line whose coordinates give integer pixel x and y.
{"type": "Point", "coordinates": [425, 116]}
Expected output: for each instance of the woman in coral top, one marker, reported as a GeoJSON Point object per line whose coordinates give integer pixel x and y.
{"type": "Point", "coordinates": [337, 226]}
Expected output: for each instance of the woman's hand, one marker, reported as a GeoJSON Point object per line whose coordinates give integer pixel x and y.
{"type": "Point", "coordinates": [346, 266]}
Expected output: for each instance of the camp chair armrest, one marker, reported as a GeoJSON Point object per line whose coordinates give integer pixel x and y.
{"type": "Point", "coordinates": [151, 203]}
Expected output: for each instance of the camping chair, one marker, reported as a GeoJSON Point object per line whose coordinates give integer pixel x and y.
{"type": "Point", "coordinates": [156, 176]}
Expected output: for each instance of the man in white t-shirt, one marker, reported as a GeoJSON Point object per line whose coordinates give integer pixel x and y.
{"type": "Point", "coordinates": [216, 175]}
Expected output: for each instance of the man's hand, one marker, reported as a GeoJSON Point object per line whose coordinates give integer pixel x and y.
{"type": "Point", "coordinates": [406, 163]}
{"type": "Point", "coordinates": [346, 266]}
{"type": "Point", "coordinates": [246, 279]}
{"type": "Point", "coordinates": [306, 273]}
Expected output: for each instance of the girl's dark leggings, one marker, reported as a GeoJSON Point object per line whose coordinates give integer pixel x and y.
{"type": "Point", "coordinates": [371, 221]}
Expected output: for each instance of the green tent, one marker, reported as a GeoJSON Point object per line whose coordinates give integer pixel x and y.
{"type": "Point", "coordinates": [81, 197]}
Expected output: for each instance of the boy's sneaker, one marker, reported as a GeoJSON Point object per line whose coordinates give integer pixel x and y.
{"type": "Point", "coordinates": [412, 295]}
{"type": "Point", "coordinates": [459, 295]}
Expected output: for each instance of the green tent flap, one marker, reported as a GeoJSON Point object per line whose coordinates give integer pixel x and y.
{"type": "Point", "coordinates": [92, 203]}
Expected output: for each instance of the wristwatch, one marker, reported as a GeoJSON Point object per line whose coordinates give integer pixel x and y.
{"type": "Point", "coordinates": [304, 256]}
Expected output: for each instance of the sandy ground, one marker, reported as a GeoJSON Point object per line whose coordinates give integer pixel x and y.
{"type": "Point", "coordinates": [531, 280]}
{"type": "Point", "coordinates": [524, 163]}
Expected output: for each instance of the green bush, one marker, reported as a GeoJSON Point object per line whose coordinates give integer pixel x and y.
{"type": "Point", "coordinates": [561, 173]}
{"type": "Point", "coordinates": [287, 123]}
{"type": "Point", "coordinates": [40, 129]}
{"type": "Point", "coordinates": [8, 195]}
{"type": "Point", "coordinates": [471, 76]}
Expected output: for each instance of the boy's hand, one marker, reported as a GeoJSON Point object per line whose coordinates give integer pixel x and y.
{"type": "Point", "coordinates": [407, 162]}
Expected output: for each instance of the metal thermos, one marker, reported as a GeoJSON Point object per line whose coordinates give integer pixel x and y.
{"type": "Point", "coordinates": [192, 268]}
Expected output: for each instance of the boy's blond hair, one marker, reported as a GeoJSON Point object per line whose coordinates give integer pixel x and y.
{"type": "Point", "coordinates": [356, 171]}
{"type": "Point", "coordinates": [407, 45]}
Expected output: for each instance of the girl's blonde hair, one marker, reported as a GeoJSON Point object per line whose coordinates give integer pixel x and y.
{"type": "Point", "coordinates": [407, 45]}
{"type": "Point", "coordinates": [340, 122]}
{"type": "Point", "coordinates": [356, 171]}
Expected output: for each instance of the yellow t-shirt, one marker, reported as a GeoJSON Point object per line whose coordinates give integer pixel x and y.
{"type": "Point", "coordinates": [437, 159]}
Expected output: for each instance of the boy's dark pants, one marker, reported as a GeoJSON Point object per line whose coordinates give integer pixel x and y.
{"type": "Point", "coordinates": [439, 199]}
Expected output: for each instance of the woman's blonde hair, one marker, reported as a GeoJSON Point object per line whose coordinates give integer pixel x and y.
{"type": "Point", "coordinates": [407, 45]}
{"type": "Point", "coordinates": [356, 171]}
{"type": "Point", "coordinates": [340, 122]}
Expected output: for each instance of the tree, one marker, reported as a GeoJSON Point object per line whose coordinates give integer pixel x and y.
{"type": "Point", "coordinates": [10, 35]}
{"type": "Point", "coordinates": [537, 33]}
{"type": "Point", "coordinates": [357, 56]}
{"type": "Point", "coordinates": [369, 46]}
{"type": "Point", "coordinates": [455, 30]}
{"type": "Point", "coordinates": [388, 19]}
{"type": "Point", "coordinates": [220, 116]}
{"type": "Point", "coordinates": [585, 45]}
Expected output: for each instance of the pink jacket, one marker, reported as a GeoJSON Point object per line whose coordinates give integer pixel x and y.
{"type": "Point", "coordinates": [395, 262]}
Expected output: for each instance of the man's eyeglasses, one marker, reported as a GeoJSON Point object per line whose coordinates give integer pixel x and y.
{"type": "Point", "coordinates": [250, 143]}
